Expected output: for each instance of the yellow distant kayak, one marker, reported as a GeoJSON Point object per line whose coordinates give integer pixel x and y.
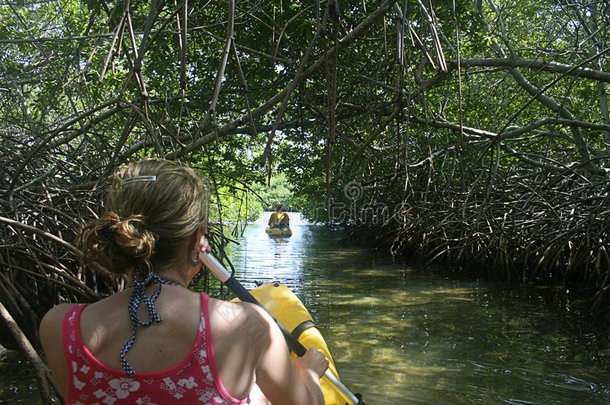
{"type": "Point", "coordinates": [286, 307]}
{"type": "Point", "coordinates": [278, 232]}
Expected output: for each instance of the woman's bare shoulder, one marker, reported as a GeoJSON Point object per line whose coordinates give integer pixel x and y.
{"type": "Point", "coordinates": [251, 319]}
{"type": "Point", "coordinates": [50, 328]}
{"type": "Point", "coordinates": [229, 310]}
{"type": "Point", "coordinates": [56, 314]}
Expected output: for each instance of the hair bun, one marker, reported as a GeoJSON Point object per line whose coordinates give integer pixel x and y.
{"type": "Point", "coordinates": [146, 221]}
{"type": "Point", "coordinates": [131, 236]}
{"type": "Point", "coordinates": [119, 244]}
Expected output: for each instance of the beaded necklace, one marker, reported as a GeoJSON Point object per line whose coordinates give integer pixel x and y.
{"type": "Point", "coordinates": [138, 295]}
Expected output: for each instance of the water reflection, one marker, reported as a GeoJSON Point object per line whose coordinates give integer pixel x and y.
{"type": "Point", "coordinates": [401, 335]}
{"type": "Point", "coordinates": [261, 257]}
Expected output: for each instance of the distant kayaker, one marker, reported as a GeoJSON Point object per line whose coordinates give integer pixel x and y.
{"type": "Point", "coordinates": [156, 341]}
{"type": "Point", "coordinates": [279, 219]}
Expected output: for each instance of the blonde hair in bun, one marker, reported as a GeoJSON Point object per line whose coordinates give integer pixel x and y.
{"type": "Point", "coordinates": [145, 222]}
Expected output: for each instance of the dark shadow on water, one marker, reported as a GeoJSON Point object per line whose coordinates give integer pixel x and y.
{"type": "Point", "coordinates": [18, 384]}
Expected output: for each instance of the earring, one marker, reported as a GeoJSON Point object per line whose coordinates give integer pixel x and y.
{"type": "Point", "coordinates": [194, 260]}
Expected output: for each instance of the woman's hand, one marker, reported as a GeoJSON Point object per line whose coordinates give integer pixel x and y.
{"type": "Point", "coordinates": [312, 361]}
{"type": "Point", "coordinates": [204, 245]}
{"type": "Point", "coordinates": [286, 381]}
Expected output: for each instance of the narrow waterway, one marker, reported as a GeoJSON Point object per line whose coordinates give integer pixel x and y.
{"type": "Point", "coordinates": [401, 335]}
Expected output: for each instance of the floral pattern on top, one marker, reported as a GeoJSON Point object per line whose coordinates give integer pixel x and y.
{"type": "Point", "coordinates": [92, 383]}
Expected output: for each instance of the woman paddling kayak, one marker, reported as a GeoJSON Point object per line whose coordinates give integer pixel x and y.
{"type": "Point", "coordinates": [156, 341]}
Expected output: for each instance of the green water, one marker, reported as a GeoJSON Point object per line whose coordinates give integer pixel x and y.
{"type": "Point", "coordinates": [401, 335]}
{"type": "Point", "coordinates": [406, 336]}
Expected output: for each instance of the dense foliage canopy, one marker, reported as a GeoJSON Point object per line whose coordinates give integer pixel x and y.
{"type": "Point", "coordinates": [471, 132]}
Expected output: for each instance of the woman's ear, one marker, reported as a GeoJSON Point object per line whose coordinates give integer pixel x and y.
{"type": "Point", "coordinates": [200, 242]}
{"type": "Point", "coordinates": [201, 230]}
{"type": "Point", "coordinates": [194, 238]}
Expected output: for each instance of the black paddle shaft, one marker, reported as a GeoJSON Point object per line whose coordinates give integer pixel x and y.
{"type": "Point", "coordinates": [244, 295]}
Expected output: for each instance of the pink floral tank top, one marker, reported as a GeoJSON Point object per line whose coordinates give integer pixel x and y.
{"type": "Point", "coordinates": [192, 381]}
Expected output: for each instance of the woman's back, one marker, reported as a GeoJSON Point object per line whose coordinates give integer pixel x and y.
{"type": "Point", "coordinates": [105, 327]}
{"type": "Point", "coordinates": [175, 359]}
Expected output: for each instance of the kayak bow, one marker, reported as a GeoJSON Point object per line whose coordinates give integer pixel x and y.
{"type": "Point", "coordinates": [278, 232]}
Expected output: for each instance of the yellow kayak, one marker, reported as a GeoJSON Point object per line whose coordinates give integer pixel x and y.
{"type": "Point", "coordinates": [278, 231]}
{"type": "Point", "coordinates": [286, 307]}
